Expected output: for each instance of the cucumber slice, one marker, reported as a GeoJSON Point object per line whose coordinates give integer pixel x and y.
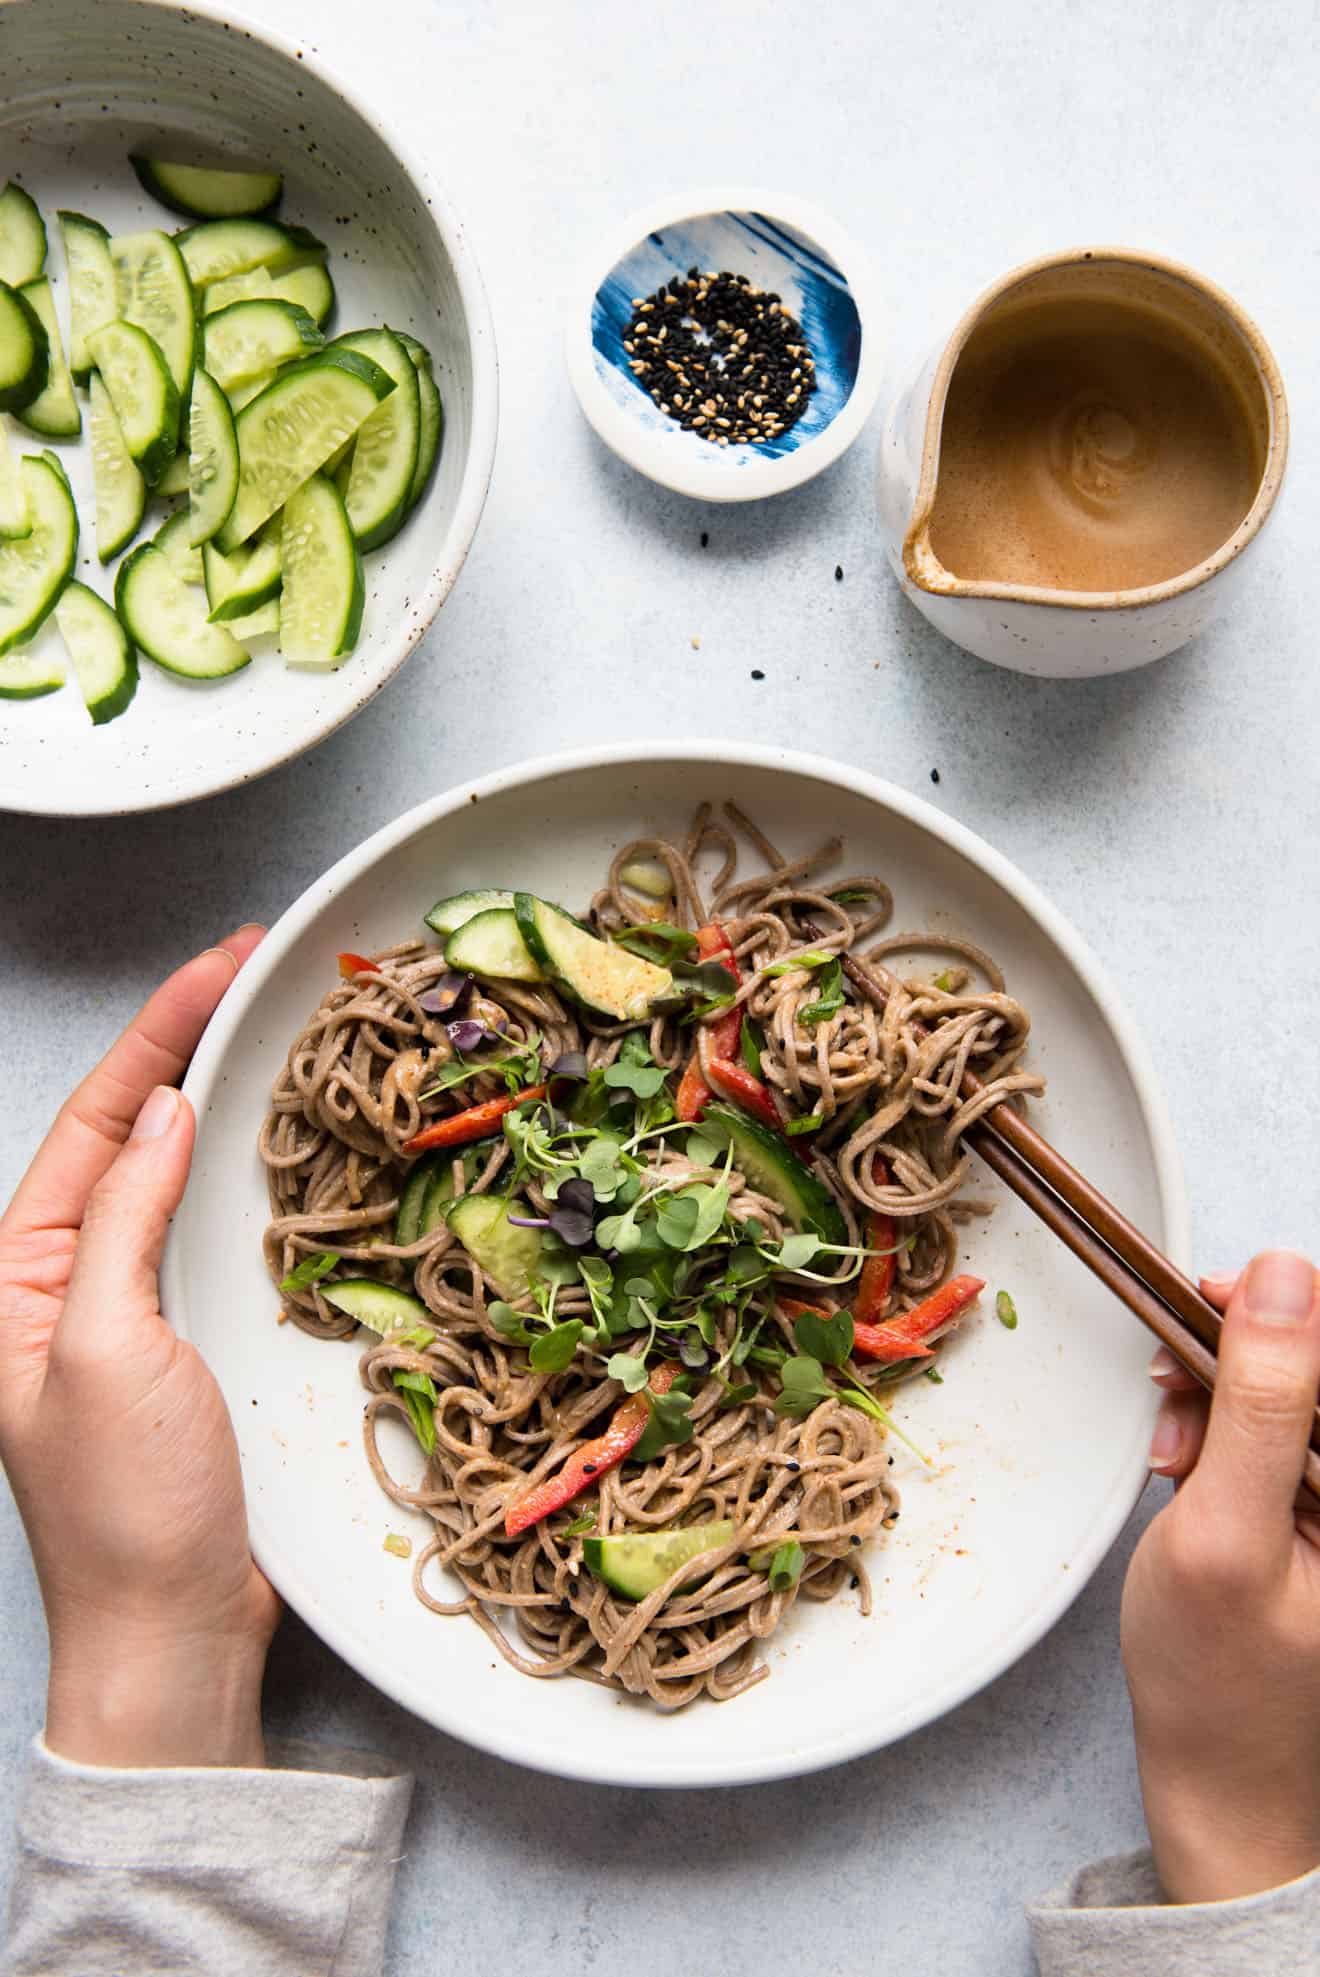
{"type": "Point", "coordinates": [431, 415]}
{"type": "Point", "coordinates": [774, 1169]}
{"type": "Point", "coordinates": [54, 411]}
{"type": "Point", "coordinates": [171, 538]}
{"type": "Point", "coordinates": [143, 393]}
{"type": "Point", "coordinates": [166, 620]}
{"type": "Point", "coordinates": [92, 299]}
{"type": "Point", "coordinates": [412, 1197]}
{"type": "Point", "coordinates": [447, 915]}
{"type": "Point", "coordinates": [104, 661]}
{"type": "Point", "coordinates": [634, 1563]}
{"type": "Point", "coordinates": [294, 425]}
{"type": "Point", "coordinates": [174, 480]}
{"type": "Point", "coordinates": [24, 351]}
{"type": "Point", "coordinates": [239, 584]}
{"type": "Point", "coordinates": [510, 1258]}
{"type": "Point", "coordinates": [264, 623]}
{"type": "Point", "coordinates": [220, 248]}
{"type": "Point", "coordinates": [322, 598]}
{"type": "Point", "coordinates": [153, 291]}
{"type": "Point", "coordinates": [22, 237]}
{"type": "Point", "coordinates": [243, 394]}
{"type": "Point", "coordinates": [121, 492]}
{"type": "Point", "coordinates": [490, 944]}
{"type": "Point", "coordinates": [417, 350]}
{"type": "Point", "coordinates": [15, 522]}
{"type": "Point", "coordinates": [425, 1198]}
{"type": "Point", "coordinates": [385, 451]}
{"type": "Point", "coordinates": [430, 430]}
{"type": "Point", "coordinates": [248, 340]}
{"type": "Point", "coordinates": [309, 286]}
{"type": "Point", "coordinates": [378, 1306]}
{"type": "Point", "coordinates": [212, 459]}
{"type": "Point", "coordinates": [599, 975]}
{"type": "Point", "coordinates": [25, 676]}
{"type": "Point", "coordinates": [441, 1191]}
{"type": "Point", "coordinates": [254, 285]}
{"type": "Point", "coordinates": [34, 571]}
{"type": "Point", "coordinates": [204, 192]}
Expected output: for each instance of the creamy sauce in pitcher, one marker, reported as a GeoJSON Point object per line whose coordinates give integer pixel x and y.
{"type": "Point", "coordinates": [1089, 445]}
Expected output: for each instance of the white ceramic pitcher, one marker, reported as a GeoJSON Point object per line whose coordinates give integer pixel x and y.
{"type": "Point", "coordinates": [1060, 633]}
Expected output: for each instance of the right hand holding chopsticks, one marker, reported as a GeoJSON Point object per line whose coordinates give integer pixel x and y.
{"type": "Point", "coordinates": [1221, 1610]}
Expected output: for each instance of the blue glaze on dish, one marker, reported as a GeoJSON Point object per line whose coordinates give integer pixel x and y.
{"type": "Point", "coordinates": [775, 258]}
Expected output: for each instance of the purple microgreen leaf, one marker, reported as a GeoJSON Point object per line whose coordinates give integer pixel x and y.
{"type": "Point", "coordinates": [578, 1194]}
{"type": "Point", "coordinates": [572, 1227]}
{"type": "Point", "coordinates": [445, 995]}
{"type": "Point", "coordinates": [570, 1064]}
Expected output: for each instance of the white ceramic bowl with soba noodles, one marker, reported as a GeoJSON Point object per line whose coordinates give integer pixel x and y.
{"type": "Point", "coordinates": [1034, 1439]}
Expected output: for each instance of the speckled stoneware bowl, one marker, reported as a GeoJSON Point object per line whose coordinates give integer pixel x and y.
{"type": "Point", "coordinates": [85, 84]}
{"type": "Point", "coordinates": [783, 248]}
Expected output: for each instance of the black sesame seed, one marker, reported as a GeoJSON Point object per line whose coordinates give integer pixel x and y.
{"type": "Point", "coordinates": [757, 674]}
{"type": "Point", "coordinates": [934, 775]}
{"type": "Point", "coordinates": [838, 573]}
{"type": "Point", "coordinates": [705, 538]}
{"type": "Point", "coordinates": [709, 332]}
{"type": "Point", "coordinates": [795, 1466]}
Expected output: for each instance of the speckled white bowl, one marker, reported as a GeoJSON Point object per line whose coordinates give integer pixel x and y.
{"type": "Point", "coordinates": [84, 84]}
{"type": "Point", "coordinates": [785, 247]}
{"type": "Point", "coordinates": [1038, 1437]}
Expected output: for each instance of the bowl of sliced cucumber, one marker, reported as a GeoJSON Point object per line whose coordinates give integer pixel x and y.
{"type": "Point", "coordinates": [239, 473]}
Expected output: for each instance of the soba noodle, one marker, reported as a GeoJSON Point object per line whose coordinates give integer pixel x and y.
{"type": "Point", "coordinates": [882, 1074]}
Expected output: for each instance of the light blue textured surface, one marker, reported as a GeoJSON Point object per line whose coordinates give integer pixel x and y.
{"type": "Point", "coordinates": [1172, 814]}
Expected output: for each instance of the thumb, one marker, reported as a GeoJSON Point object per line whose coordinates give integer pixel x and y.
{"type": "Point", "coordinates": [127, 1215]}
{"type": "Point", "coordinates": [1264, 1403]}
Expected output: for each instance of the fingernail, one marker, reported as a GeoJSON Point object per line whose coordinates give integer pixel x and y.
{"type": "Point", "coordinates": [248, 927]}
{"type": "Point", "coordinates": [1162, 1364]}
{"type": "Point", "coordinates": [157, 1115]}
{"type": "Point", "coordinates": [1280, 1287]}
{"type": "Point", "coordinates": [1165, 1442]}
{"type": "Point", "coordinates": [225, 951]}
{"type": "Point", "coordinates": [1220, 1280]}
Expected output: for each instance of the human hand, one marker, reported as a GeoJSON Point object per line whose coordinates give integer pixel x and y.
{"type": "Point", "coordinates": [1221, 1610]}
{"type": "Point", "coordinates": [114, 1435]}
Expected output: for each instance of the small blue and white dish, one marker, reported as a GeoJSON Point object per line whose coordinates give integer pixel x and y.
{"type": "Point", "coordinates": [792, 256]}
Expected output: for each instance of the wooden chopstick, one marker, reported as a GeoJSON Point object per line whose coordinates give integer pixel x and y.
{"type": "Point", "coordinates": [1112, 1248]}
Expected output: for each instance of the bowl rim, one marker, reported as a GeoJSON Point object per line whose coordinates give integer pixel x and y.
{"type": "Point", "coordinates": [922, 568]}
{"type": "Point", "coordinates": [474, 483]}
{"type": "Point", "coordinates": [695, 475]}
{"type": "Point", "coordinates": [208, 1068]}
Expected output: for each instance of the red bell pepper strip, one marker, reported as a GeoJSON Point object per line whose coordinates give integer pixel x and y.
{"type": "Point", "coordinates": [903, 1337]}
{"type": "Point", "coordinates": [713, 944]}
{"type": "Point", "coordinates": [694, 1094]}
{"type": "Point", "coordinates": [877, 1278]}
{"type": "Point", "coordinates": [724, 1036]}
{"type": "Point", "coordinates": [793, 1307]}
{"type": "Point", "coordinates": [474, 1124]}
{"type": "Point", "coordinates": [356, 964]}
{"type": "Point", "coordinates": [732, 1081]}
{"type": "Point", "coordinates": [585, 1464]}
